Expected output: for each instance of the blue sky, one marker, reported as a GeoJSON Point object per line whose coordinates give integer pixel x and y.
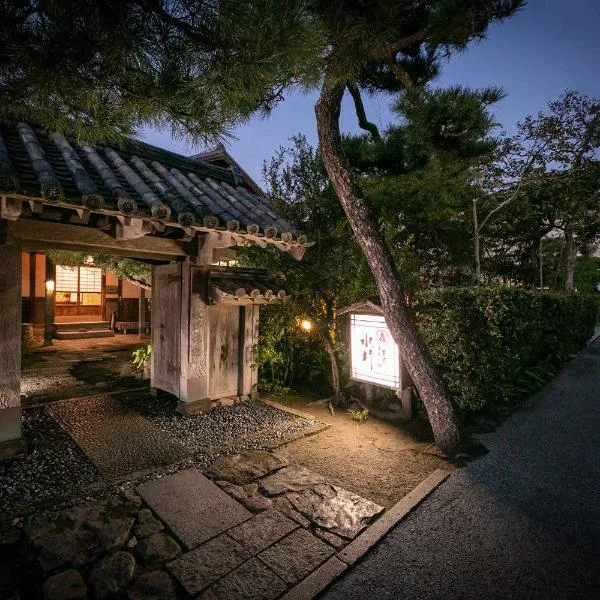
{"type": "Point", "coordinates": [550, 46]}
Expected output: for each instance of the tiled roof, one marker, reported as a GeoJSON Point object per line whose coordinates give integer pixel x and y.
{"type": "Point", "coordinates": [243, 286]}
{"type": "Point", "coordinates": [136, 179]}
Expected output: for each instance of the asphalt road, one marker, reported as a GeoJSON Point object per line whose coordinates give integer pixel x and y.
{"type": "Point", "coordinates": [521, 522]}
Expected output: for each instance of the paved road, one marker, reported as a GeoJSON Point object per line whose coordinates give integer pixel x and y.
{"type": "Point", "coordinates": [522, 522]}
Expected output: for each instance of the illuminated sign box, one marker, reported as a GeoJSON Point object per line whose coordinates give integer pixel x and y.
{"type": "Point", "coordinates": [375, 354]}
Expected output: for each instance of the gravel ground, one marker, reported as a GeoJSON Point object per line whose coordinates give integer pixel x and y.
{"type": "Point", "coordinates": [53, 466]}
{"type": "Point", "coordinates": [219, 427]}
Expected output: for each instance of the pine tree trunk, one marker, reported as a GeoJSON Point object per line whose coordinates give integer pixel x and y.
{"type": "Point", "coordinates": [434, 394]}
{"type": "Point", "coordinates": [335, 373]}
{"type": "Point", "coordinates": [569, 259]}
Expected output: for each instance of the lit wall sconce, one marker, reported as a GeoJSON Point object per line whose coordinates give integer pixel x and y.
{"type": "Point", "coordinates": [50, 285]}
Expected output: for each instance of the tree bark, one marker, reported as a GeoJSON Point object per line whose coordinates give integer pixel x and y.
{"type": "Point", "coordinates": [569, 259]}
{"type": "Point", "coordinates": [476, 244]}
{"type": "Point", "coordinates": [335, 372]}
{"type": "Point", "coordinates": [434, 394]}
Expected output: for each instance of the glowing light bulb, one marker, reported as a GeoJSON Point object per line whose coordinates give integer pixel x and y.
{"type": "Point", "coordinates": [306, 325]}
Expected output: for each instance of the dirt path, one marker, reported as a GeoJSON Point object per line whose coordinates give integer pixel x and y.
{"type": "Point", "coordinates": [378, 460]}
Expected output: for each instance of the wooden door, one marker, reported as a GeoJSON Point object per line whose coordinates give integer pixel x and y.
{"type": "Point", "coordinates": [224, 354]}
{"type": "Point", "coordinates": [166, 324]}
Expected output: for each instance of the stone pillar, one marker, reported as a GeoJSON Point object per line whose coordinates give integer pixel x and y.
{"type": "Point", "coordinates": [193, 382]}
{"type": "Point", "coordinates": [10, 344]}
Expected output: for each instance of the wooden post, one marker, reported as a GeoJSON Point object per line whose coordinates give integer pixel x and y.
{"type": "Point", "coordinates": [50, 294]}
{"type": "Point", "coordinates": [248, 376]}
{"type": "Point", "coordinates": [193, 382]}
{"type": "Point", "coordinates": [142, 313]}
{"type": "Point", "coordinates": [10, 344]}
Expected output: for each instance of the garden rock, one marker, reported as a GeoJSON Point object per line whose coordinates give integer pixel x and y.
{"type": "Point", "coordinates": [81, 534]}
{"type": "Point", "coordinates": [284, 506]}
{"type": "Point", "coordinates": [246, 467]}
{"type": "Point", "coordinates": [156, 585]}
{"type": "Point", "coordinates": [158, 548]}
{"type": "Point", "coordinates": [112, 575]}
{"type": "Point", "coordinates": [290, 479]}
{"type": "Point", "coordinates": [235, 491]}
{"type": "Point", "coordinates": [67, 585]}
{"type": "Point", "coordinates": [256, 504]}
{"type": "Point", "coordinates": [146, 524]}
{"type": "Point", "coordinates": [335, 509]}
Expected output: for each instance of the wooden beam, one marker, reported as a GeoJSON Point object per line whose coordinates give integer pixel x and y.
{"type": "Point", "coordinates": [41, 235]}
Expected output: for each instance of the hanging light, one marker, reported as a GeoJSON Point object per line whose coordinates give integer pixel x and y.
{"type": "Point", "coordinates": [49, 285]}
{"type": "Point", "coordinates": [306, 325]}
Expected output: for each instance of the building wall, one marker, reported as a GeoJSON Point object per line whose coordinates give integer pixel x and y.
{"type": "Point", "coordinates": [33, 305]}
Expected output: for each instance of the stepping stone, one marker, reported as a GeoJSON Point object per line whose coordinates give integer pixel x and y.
{"type": "Point", "coordinates": [251, 581]}
{"type": "Point", "coordinates": [67, 585]}
{"type": "Point", "coordinates": [82, 534]}
{"type": "Point", "coordinates": [290, 479]}
{"type": "Point", "coordinates": [246, 467]}
{"type": "Point", "coordinates": [197, 569]}
{"type": "Point", "coordinates": [335, 509]}
{"type": "Point", "coordinates": [192, 507]}
{"type": "Point", "coordinates": [111, 576]}
{"type": "Point", "coordinates": [158, 548]}
{"type": "Point", "coordinates": [155, 585]}
{"type": "Point", "coordinates": [262, 530]}
{"type": "Point", "coordinates": [296, 555]}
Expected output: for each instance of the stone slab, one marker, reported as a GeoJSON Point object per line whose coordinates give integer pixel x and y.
{"type": "Point", "coordinates": [252, 581]}
{"type": "Point", "coordinates": [245, 467]}
{"type": "Point", "coordinates": [262, 530]}
{"type": "Point", "coordinates": [296, 555]}
{"type": "Point", "coordinates": [197, 569]}
{"type": "Point", "coordinates": [335, 509]}
{"type": "Point", "coordinates": [192, 506]}
{"type": "Point", "coordinates": [317, 581]}
{"type": "Point", "coordinates": [117, 440]}
{"type": "Point", "coordinates": [358, 547]}
{"type": "Point", "coordinates": [290, 479]}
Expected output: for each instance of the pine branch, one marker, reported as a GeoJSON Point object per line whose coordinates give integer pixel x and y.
{"type": "Point", "coordinates": [361, 115]}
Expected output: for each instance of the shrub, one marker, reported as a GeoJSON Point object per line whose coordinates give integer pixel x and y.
{"type": "Point", "coordinates": [494, 345]}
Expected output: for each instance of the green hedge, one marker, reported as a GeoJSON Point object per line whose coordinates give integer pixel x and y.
{"type": "Point", "coordinates": [494, 345]}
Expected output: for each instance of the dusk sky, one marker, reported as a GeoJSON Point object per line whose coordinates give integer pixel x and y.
{"type": "Point", "coordinates": [550, 46]}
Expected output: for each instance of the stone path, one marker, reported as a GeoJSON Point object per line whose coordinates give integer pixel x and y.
{"type": "Point", "coordinates": [116, 439]}
{"type": "Point", "coordinates": [182, 536]}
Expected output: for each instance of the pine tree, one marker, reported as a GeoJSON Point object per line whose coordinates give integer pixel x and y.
{"type": "Point", "coordinates": [101, 68]}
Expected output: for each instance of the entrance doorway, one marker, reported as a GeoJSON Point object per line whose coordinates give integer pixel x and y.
{"type": "Point", "coordinates": [79, 294]}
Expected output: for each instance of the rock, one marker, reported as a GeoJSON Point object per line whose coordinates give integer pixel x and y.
{"type": "Point", "coordinates": [9, 542]}
{"type": "Point", "coordinates": [284, 506]}
{"type": "Point", "coordinates": [246, 467]}
{"type": "Point", "coordinates": [337, 542]}
{"type": "Point", "coordinates": [112, 575]}
{"type": "Point", "coordinates": [235, 491]}
{"type": "Point", "coordinates": [289, 479]}
{"type": "Point", "coordinates": [146, 524]}
{"type": "Point", "coordinates": [67, 585]}
{"type": "Point", "coordinates": [132, 543]}
{"type": "Point", "coordinates": [158, 548]}
{"type": "Point", "coordinates": [257, 504]}
{"type": "Point", "coordinates": [156, 585]}
{"type": "Point", "coordinates": [251, 489]}
{"type": "Point", "coordinates": [132, 497]}
{"type": "Point", "coordinates": [81, 534]}
{"type": "Point", "coordinates": [296, 555]}
{"type": "Point", "coordinates": [335, 509]}
{"type": "Point", "coordinates": [262, 530]}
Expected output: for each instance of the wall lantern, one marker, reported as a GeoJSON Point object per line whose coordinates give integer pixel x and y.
{"type": "Point", "coordinates": [50, 285]}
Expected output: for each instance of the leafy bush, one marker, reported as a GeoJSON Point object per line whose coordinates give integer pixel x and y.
{"type": "Point", "coordinates": [494, 345]}
{"type": "Point", "coordinates": [141, 359]}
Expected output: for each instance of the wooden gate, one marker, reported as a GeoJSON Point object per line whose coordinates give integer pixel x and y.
{"type": "Point", "coordinates": [166, 323]}
{"type": "Point", "coordinates": [224, 351]}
